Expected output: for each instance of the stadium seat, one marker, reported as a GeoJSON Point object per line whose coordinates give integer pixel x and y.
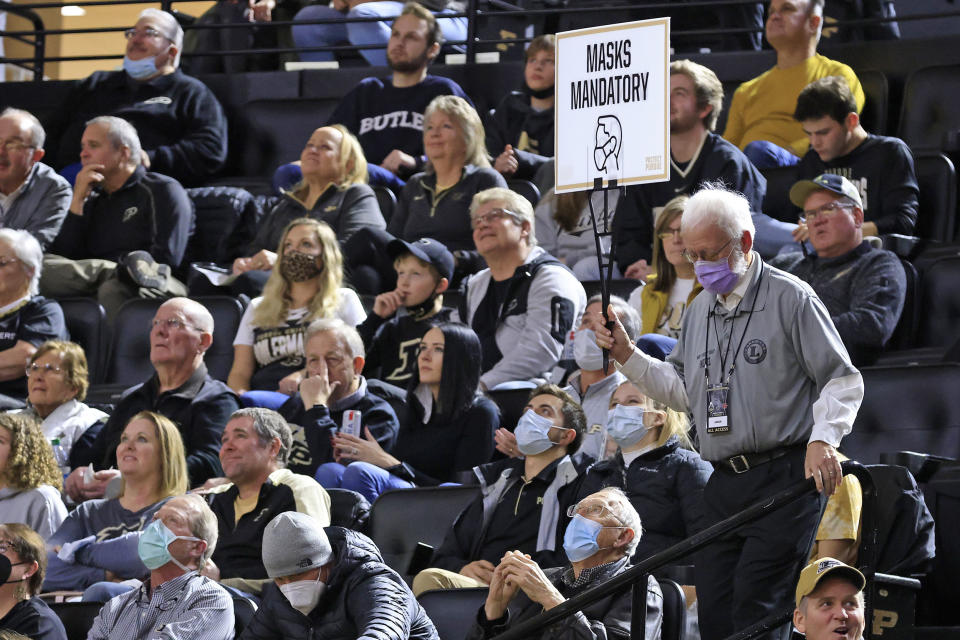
{"type": "Point", "coordinates": [402, 518]}
{"type": "Point", "coordinates": [87, 324]}
{"type": "Point", "coordinates": [937, 178]}
{"type": "Point", "coordinates": [776, 200]}
{"type": "Point", "coordinates": [525, 188]}
{"type": "Point", "coordinates": [511, 403]}
{"type": "Point", "coordinates": [348, 509]}
{"type": "Point", "coordinates": [939, 300]}
{"type": "Point", "coordinates": [875, 109]}
{"type": "Point", "coordinates": [276, 130]}
{"type": "Point", "coordinates": [904, 335]}
{"type": "Point", "coordinates": [453, 611]}
{"type": "Point", "coordinates": [674, 610]}
{"type": "Point", "coordinates": [77, 617]}
{"type": "Point", "coordinates": [243, 611]}
{"type": "Point", "coordinates": [130, 356]}
{"type": "Point", "coordinates": [929, 119]}
{"type": "Point", "coordinates": [910, 407]}
{"type": "Point", "coordinates": [387, 200]}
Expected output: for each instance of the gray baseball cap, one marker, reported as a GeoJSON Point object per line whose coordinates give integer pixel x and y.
{"type": "Point", "coordinates": [839, 185]}
{"type": "Point", "coordinates": [294, 542]}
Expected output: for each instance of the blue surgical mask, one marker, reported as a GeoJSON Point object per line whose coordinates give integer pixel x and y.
{"type": "Point", "coordinates": [586, 353]}
{"type": "Point", "coordinates": [580, 538]}
{"type": "Point", "coordinates": [533, 433]}
{"type": "Point", "coordinates": [140, 69]}
{"type": "Point", "coordinates": [154, 543]}
{"type": "Point", "coordinates": [625, 425]}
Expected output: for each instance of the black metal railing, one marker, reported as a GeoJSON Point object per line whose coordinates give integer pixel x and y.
{"type": "Point", "coordinates": [636, 577]}
{"type": "Point", "coordinates": [476, 12]}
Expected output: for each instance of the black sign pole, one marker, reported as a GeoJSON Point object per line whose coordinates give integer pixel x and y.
{"type": "Point", "coordinates": [599, 234]}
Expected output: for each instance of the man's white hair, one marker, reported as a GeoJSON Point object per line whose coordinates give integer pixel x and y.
{"type": "Point", "coordinates": [715, 204]}
{"type": "Point", "coordinates": [169, 27]}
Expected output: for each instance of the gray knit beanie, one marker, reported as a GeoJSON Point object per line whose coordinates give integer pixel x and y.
{"type": "Point", "coordinates": [294, 542]}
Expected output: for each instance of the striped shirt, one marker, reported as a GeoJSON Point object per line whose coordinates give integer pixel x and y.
{"type": "Point", "coordinates": [189, 606]}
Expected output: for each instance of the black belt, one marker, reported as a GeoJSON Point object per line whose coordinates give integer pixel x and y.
{"type": "Point", "coordinates": [746, 461]}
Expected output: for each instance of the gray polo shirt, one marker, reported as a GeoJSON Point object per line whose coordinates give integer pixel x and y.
{"type": "Point", "coordinates": [792, 382]}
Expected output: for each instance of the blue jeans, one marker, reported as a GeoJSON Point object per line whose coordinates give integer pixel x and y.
{"type": "Point", "coordinates": [267, 399]}
{"type": "Point", "coordinates": [772, 235]}
{"type": "Point", "coordinates": [766, 155]}
{"type": "Point", "coordinates": [367, 479]}
{"type": "Point", "coordinates": [103, 591]}
{"type": "Point", "coordinates": [287, 175]}
{"type": "Point", "coordinates": [358, 33]}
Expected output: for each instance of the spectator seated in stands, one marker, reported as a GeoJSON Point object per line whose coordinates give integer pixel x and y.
{"type": "Point", "coordinates": [862, 287]}
{"type": "Point", "coordinates": [599, 541]}
{"type": "Point", "coordinates": [256, 447]}
{"type": "Point", "coordinates": [32, 196]}
{"type": "Point", "coordinates": [392, 333]}
{"type": "Point", "coordinates": [697, 155]}
{"type": "Point", "coordinates": [521, 130]}
{"type": "Point", "coordinates": [331, 583]}
{"type": "Point", "coordinates": [179, 541]}
{"type": "Point", "coordinates": [669, 289]}
{"type": "Point", "coordinates": [333, 191]}
{"type": "Point", "coordinates": [433, 203]}
{"type": "Point", "coordinates": [656, 466]}
{"type": "Point", "coordinates": [386, 114]}
{"type": "Point", "coordinates": [30, 480]}
{"type": "Point", "coordinates": [590, 385]}
{"type": "Point", "coordinates": [27, 320]}
{"type": "Point", "coordinates": [880, 167]}
{"type": "Point", "coordinates": [23, 561]}
{"type": "Point", "coordinates": [565, 230]}
{"type": "Point", "coordinates": [448, 429]}
{"type": "Point", "coordinates": [88, 546]}
{"type": "Point", "coordinates": [759, 121]}
{"type": "Point", "coordinates": [369, 33]}
{"type": "Point", "coordinates": [180, 389]}
{"type": "Point", "coordinates": [334, 397]}
{"type": "Point", "coordinates": [127, 228]}
{"type": "Point", "coordinates": [838, 535]}
{"type": "Point", "coordinates": [304, 286]}
{"type": "Point", "coordinates": [829, 599]}
{"type": "Point", "coordinates": [56, 387]}
{"type": "Point", "coordinates": [522, 502]}
{"type": "Point", "coordinates": [525, 304]}
{"type": "Point", "coordinates": [181, 124]}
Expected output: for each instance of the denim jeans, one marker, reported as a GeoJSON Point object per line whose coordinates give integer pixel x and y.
{"type": "Point", "coordinates": [358, 33]}
{"type": "Point", "coordinates": [367, 479]}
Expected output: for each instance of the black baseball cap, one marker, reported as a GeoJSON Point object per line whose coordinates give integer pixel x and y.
{"type": "Point", "coordinates": [426, 249]}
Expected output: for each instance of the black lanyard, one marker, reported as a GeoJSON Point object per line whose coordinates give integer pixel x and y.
{"type": "Point", "coordinates": [723, 353]}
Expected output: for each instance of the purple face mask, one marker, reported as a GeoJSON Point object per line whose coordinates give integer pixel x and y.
{"type": "Point", "coordinates": [716, 277]}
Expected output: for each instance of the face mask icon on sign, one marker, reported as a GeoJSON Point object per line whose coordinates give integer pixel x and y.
{"type": "Point", "coordinates": [606, 150]}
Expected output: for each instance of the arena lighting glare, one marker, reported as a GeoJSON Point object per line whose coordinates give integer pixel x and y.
{"type": "Point", "coordinates": [72, 11]}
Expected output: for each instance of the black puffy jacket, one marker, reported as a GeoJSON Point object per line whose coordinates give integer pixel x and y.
{"type": "Point", "coordinates": [365, 599]}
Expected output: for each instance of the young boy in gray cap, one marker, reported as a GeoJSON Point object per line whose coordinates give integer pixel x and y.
{"type": "Point", "coordinates": [331, 583]}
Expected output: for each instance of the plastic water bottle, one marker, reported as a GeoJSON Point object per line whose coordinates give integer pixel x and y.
{"type": "Point", "coordinates": [60, 455]}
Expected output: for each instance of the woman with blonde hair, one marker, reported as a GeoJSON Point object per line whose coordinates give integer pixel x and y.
{"type": "Point", "coordinates": [57, 383]}
{"type": "Point", "coordinates": [30, 480]}
{"type": "Point", "coordinates": [333, 189]}
{"type": "Point", "coordinates": [656, 467]}
{"type": "Point", "coordinates": [434, 203]}
{"type": "Point", "coordinates": [305, 286]}
{"type": "Point", "coordinates": [23, 562]}
{"type": "Point", "coordinates": [153, 469]}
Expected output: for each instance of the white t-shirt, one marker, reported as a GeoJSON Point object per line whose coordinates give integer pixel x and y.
{"type": "Point", "coordinates": [669, 324]}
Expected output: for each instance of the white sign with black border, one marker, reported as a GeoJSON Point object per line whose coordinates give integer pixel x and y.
{"type": "Point", "coordinates": [612, 106]}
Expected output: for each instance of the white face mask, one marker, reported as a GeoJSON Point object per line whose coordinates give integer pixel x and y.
{"type": "Point", "coordinates": [586, 353]}
{"type": "Point", "coordinates": [303, 595]}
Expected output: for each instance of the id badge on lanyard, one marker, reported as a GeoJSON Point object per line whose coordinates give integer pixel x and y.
{"type": "Point", "coordinates": [717, 396]}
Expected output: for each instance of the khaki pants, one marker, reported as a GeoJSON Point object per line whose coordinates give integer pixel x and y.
{"type": "Point", "coordinates": [430, 579]}
{"type": "Point", "coordinates": [65, 278]}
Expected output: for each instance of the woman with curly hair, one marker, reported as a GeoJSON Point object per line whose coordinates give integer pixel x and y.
{"type": "Point", "coordinates": [23, 561]}
{"type": "Point", "coordinates": [305, 286]}
{"type": "Point", "coordinates": [30, 480]}
{"type": "Point", "coordinates": [153, 469]}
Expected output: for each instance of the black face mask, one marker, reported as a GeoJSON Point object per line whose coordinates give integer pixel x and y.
{"type": "Point", "coordinates": [420, 311]}
{"type": "Point", "coordinates": [5, 568]}
{"type": "Point", "coordinates": [539, 93]}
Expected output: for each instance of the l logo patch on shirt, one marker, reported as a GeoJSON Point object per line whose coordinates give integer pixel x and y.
{"type": "Point", "coordinates": [755, 351]}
